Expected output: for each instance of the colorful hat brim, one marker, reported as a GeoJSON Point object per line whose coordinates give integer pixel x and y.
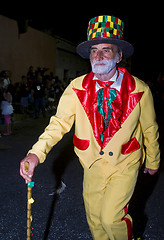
{"type": "Point", "coordinates": [83, 49]}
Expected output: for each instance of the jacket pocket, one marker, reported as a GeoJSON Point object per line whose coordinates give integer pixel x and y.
{"type": "Point", "coordinates": [130, 146]}
{"type": "Point", "coordinates": [81, 144]}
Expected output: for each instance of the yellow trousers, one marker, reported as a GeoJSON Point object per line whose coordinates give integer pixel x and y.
{"type": "Point", "coordinates": [106, 193]}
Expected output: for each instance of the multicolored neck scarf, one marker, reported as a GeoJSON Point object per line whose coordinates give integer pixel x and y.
{"type": "Point", "coordinates": [104, 99]}
{"type": "Point", "coordinates": [108, 108]}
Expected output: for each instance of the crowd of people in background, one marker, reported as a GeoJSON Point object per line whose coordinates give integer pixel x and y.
{"type": "Point", "coordinates": [37, 91]}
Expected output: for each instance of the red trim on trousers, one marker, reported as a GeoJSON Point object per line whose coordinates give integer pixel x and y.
{"type": "Point", "coordinates": [128, 223]}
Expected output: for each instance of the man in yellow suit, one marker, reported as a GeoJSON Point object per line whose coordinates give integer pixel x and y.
{"type": "Point", "coordinates": [115, 130]}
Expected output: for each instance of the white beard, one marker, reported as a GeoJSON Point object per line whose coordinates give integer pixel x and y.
{"type": "Point", "coordinates": [105, 68]}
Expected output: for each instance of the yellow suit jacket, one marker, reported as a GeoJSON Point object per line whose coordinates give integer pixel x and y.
{"type": "Point", "coordinates": [134, 132]}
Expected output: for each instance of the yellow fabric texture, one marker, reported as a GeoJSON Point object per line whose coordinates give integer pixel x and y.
{"type": "Point", "coordinates": [140, 124]}
{"type": "Point", "coordinates": [106, 197]}
{"type": "Point", "coordinates": [109, 180]}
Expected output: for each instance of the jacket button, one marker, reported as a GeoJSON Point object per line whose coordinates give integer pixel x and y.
{"type": "Point", "coordinates": [101, 153]}
{"type": "Point", "coordinates": [110, 153]}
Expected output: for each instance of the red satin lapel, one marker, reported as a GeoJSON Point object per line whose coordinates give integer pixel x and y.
{"type": "Point", "coordinates": [88, 99]}
{"type": "Point", "coordinates": [122, 106]}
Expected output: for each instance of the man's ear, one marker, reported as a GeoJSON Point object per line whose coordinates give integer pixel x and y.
{"type": "Point", "coordinates": [119, 55]}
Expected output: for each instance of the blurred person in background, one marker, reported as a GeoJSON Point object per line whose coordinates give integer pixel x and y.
{"type": "Point", "coordinates": [38, 94]}
{"type": "Point", "coordinates": [7, 109]}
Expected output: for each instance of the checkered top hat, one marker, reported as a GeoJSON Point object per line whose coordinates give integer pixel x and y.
{"type": "Point", "coordinates": [105, 29]}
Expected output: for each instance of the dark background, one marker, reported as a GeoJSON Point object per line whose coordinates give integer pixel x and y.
{"type": "Point", "coordinates": [65, 218]}
{"type": "Point", "coordinates": [143, 25]}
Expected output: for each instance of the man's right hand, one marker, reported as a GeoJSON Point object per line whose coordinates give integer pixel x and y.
{"type": "Point", "coordinates": [32, 161]}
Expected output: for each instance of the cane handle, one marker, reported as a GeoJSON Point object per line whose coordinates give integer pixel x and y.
{"type": "Point", "coordinates": [26, 165]}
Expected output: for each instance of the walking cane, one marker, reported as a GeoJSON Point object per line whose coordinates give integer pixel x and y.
{"type": "Point", "coordinates": [30, 200]}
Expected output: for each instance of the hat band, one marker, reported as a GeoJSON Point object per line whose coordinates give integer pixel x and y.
{"type": "Point", "coordinates": [104, 35]}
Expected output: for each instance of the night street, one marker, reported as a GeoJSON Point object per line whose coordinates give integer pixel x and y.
{"type": "Point", "coordinates": [103, 66]}
{"type": "Point", "coordinates": [62, 217]}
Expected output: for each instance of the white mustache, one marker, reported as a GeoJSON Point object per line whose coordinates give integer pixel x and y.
{"type": "Point", "coordinates": [103, 62]}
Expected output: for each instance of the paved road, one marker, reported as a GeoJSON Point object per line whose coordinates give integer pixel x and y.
{"type": "Point", "coordinates": [63, 217]}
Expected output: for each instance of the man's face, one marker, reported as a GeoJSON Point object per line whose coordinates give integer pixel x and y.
{"type": "Point", "coordinates": [104, 57]}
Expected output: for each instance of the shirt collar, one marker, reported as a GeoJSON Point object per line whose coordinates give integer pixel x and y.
{"type": "Point", "coordinates": [117, 79]}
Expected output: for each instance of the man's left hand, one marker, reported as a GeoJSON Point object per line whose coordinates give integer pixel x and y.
{"type": "Point", "coordinates": [150, 171]}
